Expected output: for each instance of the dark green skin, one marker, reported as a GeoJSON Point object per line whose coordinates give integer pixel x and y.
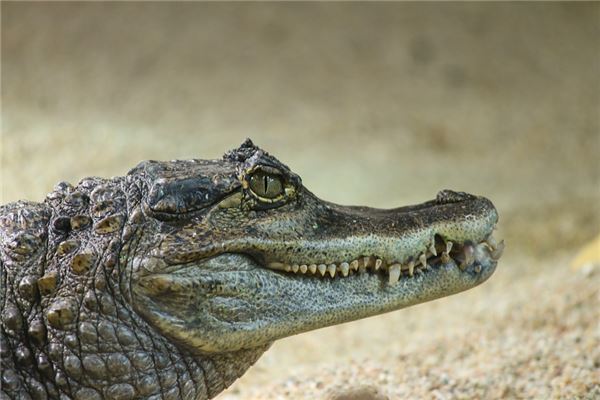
{"type": "Point", "coordinates": [160, 284]}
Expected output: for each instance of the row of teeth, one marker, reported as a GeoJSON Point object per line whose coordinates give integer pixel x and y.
{"type": "Point", "coordinates": [394, 269]}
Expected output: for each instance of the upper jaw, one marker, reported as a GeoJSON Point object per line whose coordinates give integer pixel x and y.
{"type": "Point", "coordinates": [319, 239]}
{"type": "Point", "coordinates": [455, 228]}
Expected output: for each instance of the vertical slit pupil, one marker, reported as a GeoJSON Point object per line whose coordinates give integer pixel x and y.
{"type": "Point", "coordinates": [266, 185]}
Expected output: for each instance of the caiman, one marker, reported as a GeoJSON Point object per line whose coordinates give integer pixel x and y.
{"type": "Point", "coordinates": [170, 282]}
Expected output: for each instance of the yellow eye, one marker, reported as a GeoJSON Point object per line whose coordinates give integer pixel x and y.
{"type": "Point", "coordinates": [268, 186]}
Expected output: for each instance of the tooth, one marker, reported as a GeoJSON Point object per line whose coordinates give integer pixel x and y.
{"type": "Point", "coordinates": [295, 268]}
{"type": "Point", "coordinates": [331, 270]}
{"type": "Point", "coordinates": [482, 250]}
{"type": "Point", "coordinates": [423, 260]}
{"type": "Point", "coordinates": [432, 249]}
{"type": "Point", "coordinates": [354, 265]}
{"type": "Point", "coordinates": [469, 254]}
{"type": "Point", "coordinates": [303, 268]}
{"type": "Point", "coordinates": [478, 268]}
{"type": "Point", "coordinates": [366, 261]}
{"type": "Point", "coordinates": [322, 269]}
{"type": "Point", "coordinates": [448, 246]}
{"type": "Point", "coordinates": [445, 257]}
{"type": "Point", "coordinates": [411, 268]}
{"type": "Point", "coordinates": [378, 264]}
{"type": "Point", "coordinates": [394, 274]}
{"type": "Point", "coordinates": [345, 267]}
{"type": "Point", "coordinates": [287, 268]}
{"type": "Point", "coordinates": [276, 265]}
{"type": "Point", "coordinates": [312, 268]}
{"type": "Point", "coordinates": [492, 242]}
{"type": "Point", "coordinates": [498, 251]}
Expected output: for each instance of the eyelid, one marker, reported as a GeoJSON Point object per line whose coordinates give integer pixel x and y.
{"type": "Point", "coordinates": [267, 170]}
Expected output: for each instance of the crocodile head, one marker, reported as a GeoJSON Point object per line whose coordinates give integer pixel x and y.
{"type": "Point", "coordinates": [233, 254]}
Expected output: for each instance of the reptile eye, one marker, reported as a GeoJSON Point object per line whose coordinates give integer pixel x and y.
{"type": "Point", "coordinates": [266, 185]}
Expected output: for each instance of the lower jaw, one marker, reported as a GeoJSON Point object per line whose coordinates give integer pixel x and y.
{"type": "Point", "coordinates": [299, 302]}
{"type": "Point", "coordinates": [367, 293]}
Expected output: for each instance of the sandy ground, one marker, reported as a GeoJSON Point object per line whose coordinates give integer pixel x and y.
{"type": "Point", "coordinates": [375, 104]}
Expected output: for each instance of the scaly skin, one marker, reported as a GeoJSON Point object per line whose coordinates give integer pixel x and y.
{"type": "Point", "coordinates": [170, 282]}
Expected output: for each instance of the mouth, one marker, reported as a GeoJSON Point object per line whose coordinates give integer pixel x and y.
{"type": "Point", "coordinates": [454, 230]}
{"type": "Point", "coordinates": [440, 252]}
{"type": "Point", "coordinates": [348, 264]}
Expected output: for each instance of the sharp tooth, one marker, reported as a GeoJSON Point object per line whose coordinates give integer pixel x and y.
{"type": "Point", "coordinates": [498, 251]}
{"type": "Point", "coordinates": [394, 274]}
{"type": "Point", "coordinates": [295, 268]}
{"type": "Point", "coordinates": [469, 254]}
{"type": "Point", "coordinates": [492, 242]}
{"type": "Point", "coordinates": [354, 265]}
{"type": "Point", "coordinates": [331, 270]}
{"type": "Point", "coordinates": [411, 268]}
{"type": "Point", "coordinates": [287, 268]}
{"type": "Point", "coordinates": [378, 264]}
{"type": "Point", "coordinates": [432, 249]}
{"type": "Point", "coordinates": [423, 260]}
{"type": "Point", "coordinates": [345, 267]}
{"type": "Point", "coordinates": [322, 269]}
{"type": "Point", "coordinates": [367, 261]}
{"type": "Point", "coordinates": [448, 246]}
{"type": "Point", "coordinates": [482, 250]}
{"type": "Point", "coordinates": [312, 268]}
{"type": "Point", "coordinates": [303, 268]}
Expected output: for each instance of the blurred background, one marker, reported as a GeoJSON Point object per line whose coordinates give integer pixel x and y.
{"type": "Point", "coordinates": [376, 104]}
